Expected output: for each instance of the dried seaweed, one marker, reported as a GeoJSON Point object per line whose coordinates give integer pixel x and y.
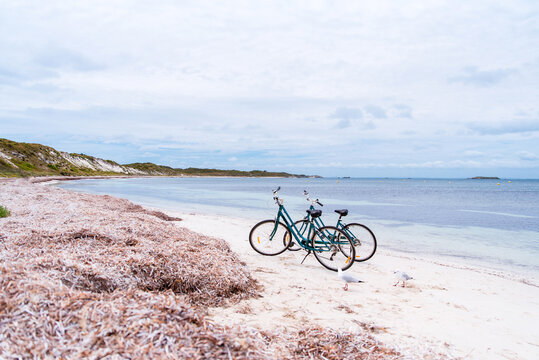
{"type": "Point", "coordinates": [319, 343]}
{"type": "Point", "coordinates": [102, 244]}
{"type": "Point", "coordinates": [159, 214]}
{"type": "Point", "coordinates": [41, 318]}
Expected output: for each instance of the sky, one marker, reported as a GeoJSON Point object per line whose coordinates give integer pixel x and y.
{"type": "Point", "coordinates": [334, 88]}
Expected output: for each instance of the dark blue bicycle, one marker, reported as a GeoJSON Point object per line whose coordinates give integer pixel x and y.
{"type": "Point", "coordinates": [330, 245]}
{"type": "Point", "coordinates": [362, 237]}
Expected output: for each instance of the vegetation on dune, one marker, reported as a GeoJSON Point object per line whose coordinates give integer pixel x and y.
{"type": "Point", "coordinates": [40, 160]}
{"type": "Point", "coordinates": [4, 212]}
{"type": "Point", "coordinates": [485, 178]}
{"type": "Point", "coordinates": [217, 172]}
{"type": "Point", "coordinates": [25, 159]}
{"type": "Point", "coordinates": [153, 169]}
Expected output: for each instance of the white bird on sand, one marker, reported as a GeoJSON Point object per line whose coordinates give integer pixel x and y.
{"type": "Point", "coordinates": [347, 278]}
{"type": "Point", "coordinates": [402, 276]}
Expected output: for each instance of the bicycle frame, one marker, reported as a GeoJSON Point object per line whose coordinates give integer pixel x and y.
{"type": "Point", "coordinates": [302, 241]}
{"type": "Point", "coordinates": [318, 223]}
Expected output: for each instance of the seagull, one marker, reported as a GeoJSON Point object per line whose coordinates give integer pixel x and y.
{"type": "Point", "coordinates": [348, 278]}
{"type": "Point", "coordinates": [402, 276]}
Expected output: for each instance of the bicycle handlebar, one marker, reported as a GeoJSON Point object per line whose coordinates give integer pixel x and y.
{"type": "Point", "coordinates": [314, 201]}
{"type": "Point", "coordinates": [275, 197]}
{"type": "Point", "coordinates": [306, 194]}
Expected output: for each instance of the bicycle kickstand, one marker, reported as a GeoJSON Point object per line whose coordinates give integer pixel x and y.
{"type": "Point", "coordinates": [308, 253]}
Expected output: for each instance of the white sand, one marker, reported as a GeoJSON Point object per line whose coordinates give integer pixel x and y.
{"type": "Point", "coordinates": [451, 309]}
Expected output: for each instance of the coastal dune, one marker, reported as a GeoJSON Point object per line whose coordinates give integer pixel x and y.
{"type": "Point", "coordinates": [100, 277]}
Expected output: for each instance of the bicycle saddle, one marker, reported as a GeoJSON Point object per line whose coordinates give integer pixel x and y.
{"type": "Point", "coordinates": [314, 213]}
{"type": "Point", "coordinates": [342, 212]}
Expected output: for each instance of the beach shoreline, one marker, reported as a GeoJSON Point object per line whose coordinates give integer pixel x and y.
{"type": "Point", "coordinates": [447, 310]}
{"type": "Point", "coordinates": [399, 214]}
{"type": "Point", "coordinates": [51, 180]}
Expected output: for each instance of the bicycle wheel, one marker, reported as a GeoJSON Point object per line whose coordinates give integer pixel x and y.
{"type": "Point", "coordinates": [269, 237]}
{"type": "Point", "coordinates": [333, 249]}
{"type": "Point", "coordinates": [302, 226]}
{"type": "Point", "coordinates": [363, 239]}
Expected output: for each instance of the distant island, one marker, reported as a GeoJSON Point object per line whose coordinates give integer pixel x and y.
{"type": "Point", "coordinates": [18, 159]}
{"type": "Point", "coordinates": [484, 177]}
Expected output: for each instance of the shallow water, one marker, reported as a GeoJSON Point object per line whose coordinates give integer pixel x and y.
{"type": "Point", "coordinates": [475, 221]}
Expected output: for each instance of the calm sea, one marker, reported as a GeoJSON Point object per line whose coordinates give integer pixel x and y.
{"type": "Point", "coordinates": [481, 222]}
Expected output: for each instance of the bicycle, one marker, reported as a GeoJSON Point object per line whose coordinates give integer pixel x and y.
{"type": "Point", "coordinates": [330, 246]}
{"type": "Point", "coordinates": [362, 237]}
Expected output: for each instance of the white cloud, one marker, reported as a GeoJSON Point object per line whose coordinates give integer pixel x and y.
{"type": "Point", "coordinates": [356, 80]}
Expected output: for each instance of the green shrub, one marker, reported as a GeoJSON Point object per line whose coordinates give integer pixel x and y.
{"type": "Point", "coordinates": [4, 212]}
{"type": "Point", "coordinates": [23, 165]}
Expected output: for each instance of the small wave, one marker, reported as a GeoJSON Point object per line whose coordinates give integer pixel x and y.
{"type": "Point", "coordinates": [499, 213]}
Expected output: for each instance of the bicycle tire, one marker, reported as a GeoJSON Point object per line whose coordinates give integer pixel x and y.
{"type": "Point", "coordinates": [367, 245]}
{"type": "Point", "coordinates": [263, 232]}
{"type": "Point", "coordinates": [342, 251]}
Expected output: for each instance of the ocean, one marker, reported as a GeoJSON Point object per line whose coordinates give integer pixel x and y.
{"type": "Point", "coordinates": [493, 223]}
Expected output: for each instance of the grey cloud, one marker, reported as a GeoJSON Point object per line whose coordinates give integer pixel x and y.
{"type": "Point", "coordinates": [346, 113]}
{"type": "Point", "coordinates": [376, 111]}
{"type": "Point", "coordinates": [59, 58]}
{"type": "Point", "coordinates": [348, 116]}
{"type": "Point", "coordinates": [517, 126]}
{"type": "Point", "coordinates": [9, 77]}
{"type": "Point", "coordinates": [402, 111]}
{"type": "Point", "coordinates": [343, 124]}
{"type": "Point", "coordinates": [473, 153]}
{"type": "Point", "coordinates": [369, 125]}
{"type": "Point", "coordinates": [8, 74]}
{"type": "Point", "coordinates": [14, 77]}
{"type": "Point", "coordinates": [526, 155]}
{"type": "Point", "coordinates": [471, 75]}
{"type": "Point", "coordinates": [409, 133]}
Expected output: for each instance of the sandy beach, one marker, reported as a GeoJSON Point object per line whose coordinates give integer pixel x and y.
{"type": "Point", "coordinates": [255, 306]}
{"type": "Point", "coordinates": [460, 311]}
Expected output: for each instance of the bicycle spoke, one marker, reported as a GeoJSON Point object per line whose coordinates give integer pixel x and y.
{"type": "Point", "coordinates": [363, 239]}
{"type": "Point", "coordinates": [333, 249]}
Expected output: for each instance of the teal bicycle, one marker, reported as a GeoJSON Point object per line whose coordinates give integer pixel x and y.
{"type": "Point", "coordinates": [362, 237]}
{"type": "Point", "coordinates": [330, 245]}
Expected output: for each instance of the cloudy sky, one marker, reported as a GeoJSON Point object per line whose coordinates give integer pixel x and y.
{"type": "Point", "coordinates": [336, 88]}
